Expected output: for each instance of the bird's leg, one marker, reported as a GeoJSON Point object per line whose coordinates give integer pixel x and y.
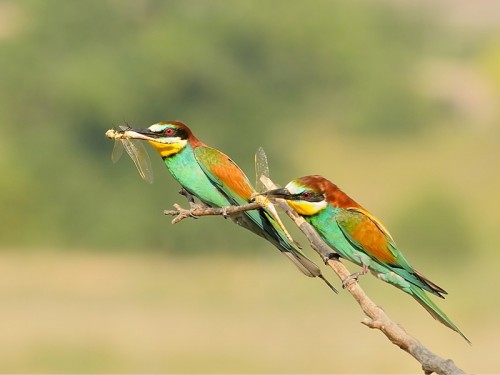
{"type": "Point", "coordinates": [224, 212]}
{"type": "Point", "coordinates": [354, 276]}
{"type": "Point", "coordinates": [188, 195]}
{"type": "Point", "coordinates": [192, 204]}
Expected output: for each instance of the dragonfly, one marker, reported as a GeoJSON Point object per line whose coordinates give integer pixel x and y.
{"type": "Point", "coordinates": [134, 148]}
{"type": "Point", "coordinates": [262, 172]}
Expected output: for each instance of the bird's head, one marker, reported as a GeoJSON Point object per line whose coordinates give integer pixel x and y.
{"type": "Point", "coordinates": [167, 138]}
{"type": "Point", "coordinates": [309, 195]}
{"type": "Point", "coordinates": [306, 195]}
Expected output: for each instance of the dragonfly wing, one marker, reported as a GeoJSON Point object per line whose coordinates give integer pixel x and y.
{"type": "Point", "coordinates": [261, 168]}
{"type": "Point", "coordinates": [140, 157]}
{"type": "Point", "coordinates": [117, 150]}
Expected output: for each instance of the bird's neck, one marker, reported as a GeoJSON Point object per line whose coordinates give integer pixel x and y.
{"type": "Point", "coordinates": [169, 149]}
{"type": "Point", "coordinates": [305, 208]}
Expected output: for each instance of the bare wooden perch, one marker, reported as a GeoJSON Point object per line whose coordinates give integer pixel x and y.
{"type": "Point", "coordinates": [375, 318]}
{"type": "Point", "coordinates": [198, 210]}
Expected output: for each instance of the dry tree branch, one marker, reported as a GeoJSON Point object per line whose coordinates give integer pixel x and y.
{"type": "Point", "coordinates": [375, 318]}
{"type": "Point", "coordinates": [198, 210]}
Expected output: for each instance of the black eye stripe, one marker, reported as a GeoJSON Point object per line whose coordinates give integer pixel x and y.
{"type": "Point", "coordinates": [309, 196]}
{"type": "Point", "coordinates": [181, 133]}
{"type": "Point", "coordinates": [176, 132]}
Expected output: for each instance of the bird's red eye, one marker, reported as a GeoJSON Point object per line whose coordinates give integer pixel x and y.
{"type": "Point", "coordinates": [306, 195]}
{"type": "Point", "coordinates": [169, 131]}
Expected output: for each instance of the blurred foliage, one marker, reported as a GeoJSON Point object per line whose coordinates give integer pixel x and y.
{"type": "Point", "coordinates": [433, 224]}
{"type": "Point", "coordinates": [241, 74]}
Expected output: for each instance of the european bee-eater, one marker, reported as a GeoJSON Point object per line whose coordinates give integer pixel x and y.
{"type": "Point", "coordinates": [217, 181]}
{"type": "Point", "coordinates": [355, 234]}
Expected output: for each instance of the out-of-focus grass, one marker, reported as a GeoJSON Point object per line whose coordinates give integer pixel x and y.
{"type": "Point", "coordinates": [88, 312]}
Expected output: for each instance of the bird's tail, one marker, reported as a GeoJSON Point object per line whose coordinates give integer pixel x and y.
{"type": "Point", "coordinates": [306, 266]}
{"type": "Point", "coordinates": [434, 310]}
{"type": "Point", "coordinates": [432, 287]}
{"type": "Point", "coordinates": [262, 223]}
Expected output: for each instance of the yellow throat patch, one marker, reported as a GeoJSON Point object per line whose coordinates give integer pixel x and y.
{"type": "Point", "coordinates": [305, 208]}
{"type": "Point", "coordinates": [167, 149]}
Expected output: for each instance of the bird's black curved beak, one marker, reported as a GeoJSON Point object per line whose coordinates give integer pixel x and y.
{"type": "Point", "coordinates": [282, 193]}
{"type": "Point", "coordinates": [145, 132]}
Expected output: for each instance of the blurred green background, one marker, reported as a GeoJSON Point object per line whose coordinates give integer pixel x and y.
{"type": "Point", "coordinates": [395, 101]}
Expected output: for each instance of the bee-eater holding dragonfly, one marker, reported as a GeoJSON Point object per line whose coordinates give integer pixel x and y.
{"type": "Point", "coordinates": [217, 181]}
{"type": "Point", "coordinates": [355, 234]}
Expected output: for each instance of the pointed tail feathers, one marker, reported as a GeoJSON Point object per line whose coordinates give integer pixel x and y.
{"type": "Point", "coordinates": [307, 267]}
{"type": "Point", "coordinates": [262, 224]}
{"type": "Point", "coordinates": [329, 284]}
{"type": "Point", "coordinates": [435, 289]}
{"type": "Point", "coordinates": [434, 310]}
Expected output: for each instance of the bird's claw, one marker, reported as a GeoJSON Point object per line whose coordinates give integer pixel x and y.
{"type": "Point", "coordinates": [224, 212]}
{"type": "Point", "coordinates": [191, 214]}
{"type": "Point", "coordinates": [351, 278]}
{"type": "Point", "coordinates": [194, 207]}
{"type": "Point", "coordinates": [354, 277]}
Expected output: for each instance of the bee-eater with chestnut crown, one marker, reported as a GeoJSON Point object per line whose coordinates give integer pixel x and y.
{"type": "Point", "coordinates": [357, 235]}
{"type": "Point", "coordinates": [217, 181]}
